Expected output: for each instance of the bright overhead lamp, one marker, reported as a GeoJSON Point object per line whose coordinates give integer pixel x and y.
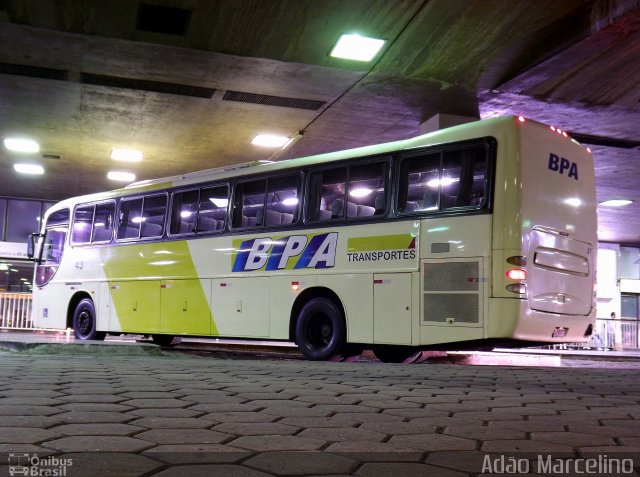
{"type": "Point", "coordinates": [126, 155]}
{"type": "Point", "coordinates": [356, 47]}
{"type": "Point", "coordinates": [120, 176]}
{"type": "Point", "coordinates": [269, 140]}
{"type": "Point", "coordinates": [21, 145]}
{"type": "Point", "coordinates": [33, 169]}
{"type": "Point", "coordinates": [616, 202]}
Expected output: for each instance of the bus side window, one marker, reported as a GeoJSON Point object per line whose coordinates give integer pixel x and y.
{"type": "Point", "coordinates": [212, 215]}
{"type": "Point", "coordinates": [282, 200]}
{"type": "Point", "coordinates": [463, 177]}
{"type": "Point", "coordinates": [130, 219]}
{"type": "Point", "coordinates": [153, 215]}
{"type": "Point", "coordinates": [367, 189]}
{"type": "Point", "coordinates": [103, 222]}
{"type": "Point", "coordinates": [184, 211]}
{"type": "Point", "coordinates": [249, 204]}
{"type": "Point", "coordinates": [326, 194]}
{"type": "Point", "coordinates": [419, 184]}
{"type": "Point", "coordinates": [82, 220]}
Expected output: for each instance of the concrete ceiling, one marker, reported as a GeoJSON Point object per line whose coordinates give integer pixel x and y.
{"type": "Point", "coordinates": [83, 77]}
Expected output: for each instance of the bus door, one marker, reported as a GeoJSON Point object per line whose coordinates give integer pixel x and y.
{"type": "Point", "coordinates": [392, 308]}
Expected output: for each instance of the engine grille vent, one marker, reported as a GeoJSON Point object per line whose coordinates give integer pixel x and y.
{"type": "Point", "coordinates": [145, 85]}
{"type": "Point", "coordinates": [33, 71]}
{"type": "Point", "coordinates": [267, 100]}
{"type": "Point", "coordinates": [451, 292]}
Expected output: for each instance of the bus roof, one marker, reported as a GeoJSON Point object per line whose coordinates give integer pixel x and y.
{"type": "Point", "coordinates": [455, 133]}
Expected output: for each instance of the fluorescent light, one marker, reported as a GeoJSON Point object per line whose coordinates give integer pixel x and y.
{"type": "Point", "coordinates": [29, 168]}
{"type": "Point", "coordinates": [573, 201]}
{"type": "Point", "coordinates": [185, 214]}
{"type": "Point", "coordinates": [21, 145]}
{"type": "Point", "coordinates": [360, 192]}
{"type": "Point", "coordinates": [356, 47]}
{"type": "Point", "coordinates": [269, 140]}
{"type": "Point", "coordinates": [137, 220]}
{"type": "Point", "coordinates": [446, 181]}
{"type": "Point", "coordinates": [126, 155]}
{"type": "Point", "coordinates": [290, 201]}
{"type": "Point", "coordinates": [222, 202]}
{"type": "Point", "coordinates": [121, 176]}
{"type": "Point", "coordinates": [616, 202]}
{"type": "Point", "coordinates": [4, 267]}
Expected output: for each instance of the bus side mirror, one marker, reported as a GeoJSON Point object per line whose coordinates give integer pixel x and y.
{"type": "Point", "coordinates": [31, 246]}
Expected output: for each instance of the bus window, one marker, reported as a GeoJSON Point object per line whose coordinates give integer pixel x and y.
{"type": "Point", "coordinates": [419, 184]}
{"type": "Point", "coordinates": [326, 194]}
{"type": "Point", "coordinates": [184, 211]}
{"type": "Point", "coordinates": [463, 178]}
{"type": "Point", "coordinates": [153, 213]}
{"type": "Point", "coordinates": [282, 201]}
{"type": "Point", "coordinates": [367, 196]}
{"type": "Point", "coordinates": [52, 246]}
{"type": "Point", "coordinates": [130, 218]}
{"type": "Point", "coordinates": [249, 204]}
{"type": "Point", "coordinates": [82, 220]}
{"type": "Point", "coordinates": [103, 222]}
{"type": "Point", "coordinates": [212, 215]}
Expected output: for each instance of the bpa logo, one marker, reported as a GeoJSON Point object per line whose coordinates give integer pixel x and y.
{"type": "Point", "coordinates": [560, 164]}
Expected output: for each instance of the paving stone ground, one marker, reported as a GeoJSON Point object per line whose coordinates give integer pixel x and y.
{"type": "Point", "coordinates": [184, 415]}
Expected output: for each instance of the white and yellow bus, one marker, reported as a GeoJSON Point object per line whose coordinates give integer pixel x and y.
{"type": "Point", "coordinates": [468, 237]}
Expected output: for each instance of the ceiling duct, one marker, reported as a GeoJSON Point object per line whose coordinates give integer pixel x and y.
{"type": "Point", "coordinates": [145, 85]}
{"type": "Point", "coordinates": [33, 71]}
{"type": "Point", "coordinates": [273, 100]}
{"type": "Point", "coordinates": [166, 20]}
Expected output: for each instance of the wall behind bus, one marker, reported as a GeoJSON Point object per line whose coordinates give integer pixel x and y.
{"type": "Point", "coordinates": [607, 278]}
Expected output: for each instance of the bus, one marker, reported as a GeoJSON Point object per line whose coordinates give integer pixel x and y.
{"type": "Point", "coordinates": [470, 237]}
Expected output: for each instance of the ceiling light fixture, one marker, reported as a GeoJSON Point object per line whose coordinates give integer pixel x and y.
{"type": "Point", "coordinates": [357, 47]}
{"type": "Point", "coordinates": [269, 140]}
{"type": "Point", "coordinates": [126, 155]}
{"type": "Point", "coordinates": [21, 145]}
{"type": "Point", "coordinates": [33, 169]}
{"type": "Point", "coordinates": [616, 203]}
{"type": "Point", "coordinates": [120, 176]}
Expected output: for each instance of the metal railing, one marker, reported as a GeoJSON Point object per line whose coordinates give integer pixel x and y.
{"type": "Point", "coordinates": [609, 334]}
{"type": "Point", "coordinates": [15, 311]}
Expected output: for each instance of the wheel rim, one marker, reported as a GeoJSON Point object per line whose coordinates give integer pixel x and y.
{"type": "Point", "coordinates": [320, 331]}
{"type": "Point", "coordinates": [84, 323]}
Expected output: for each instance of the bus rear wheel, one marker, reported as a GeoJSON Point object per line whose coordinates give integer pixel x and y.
{"type": "Point", "coordinates": [84, 321]}
{"type": "Point", "coordinates": [395, 354]}
{"type": "Point", "coordinates": [320, 330]}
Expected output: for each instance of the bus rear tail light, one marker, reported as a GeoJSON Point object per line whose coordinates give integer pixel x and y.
{"type": "Point", "coordinates": [517, 274]}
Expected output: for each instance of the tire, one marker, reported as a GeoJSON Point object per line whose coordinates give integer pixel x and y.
{"type": "Point", "coordinates": [320, 330]}
{"type": "Point", "coordinates": [395, 354]}
{"type": "Point", "coordinates": [166, 341]}
{"type": "Point", "coordinates": [84, 321]}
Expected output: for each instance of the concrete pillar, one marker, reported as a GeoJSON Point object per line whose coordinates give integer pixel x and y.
{"type": "Point", "coordinates": [443, 121]}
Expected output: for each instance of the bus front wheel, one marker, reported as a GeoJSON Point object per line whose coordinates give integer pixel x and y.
{"type": "Point", "coordinates": [84, 321]}
{"type": "Point", "coordinates": [320, 330]}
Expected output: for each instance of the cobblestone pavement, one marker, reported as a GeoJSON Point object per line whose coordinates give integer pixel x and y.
{"type": "Point", "coordinates": [176, 414]}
